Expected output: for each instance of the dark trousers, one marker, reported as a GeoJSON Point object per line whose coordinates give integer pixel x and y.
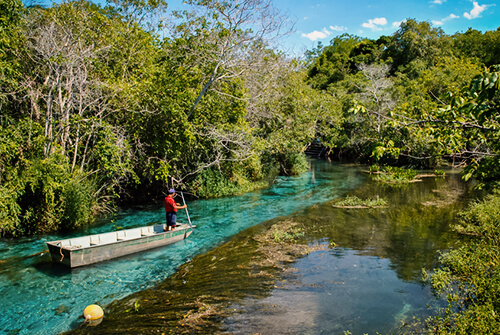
{"type": "Point", "coordinates": [171, 219]}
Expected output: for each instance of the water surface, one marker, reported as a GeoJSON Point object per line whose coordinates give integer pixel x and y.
{"type": "Point", "coordinates": [38, 297]}
{"type": "Point", "coordinates": [364, 277]}
{"type": "Point", "coordinates": [370, 281]}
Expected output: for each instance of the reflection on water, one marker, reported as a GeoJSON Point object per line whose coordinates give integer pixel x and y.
{"type": "Point", "coordinates": [38, 297]}
{"type": "Point", "coordinates": [336, 291]}
{"type": "Point", "coordinates": [371, 282]}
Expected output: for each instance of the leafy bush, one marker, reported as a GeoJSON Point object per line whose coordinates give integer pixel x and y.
{"type": "Point", "coordinates": [396, 175]}
{"type": "Point", "coordinates": [290, 164]}
{"type": "Point", "coordinates": [470, 274]}
{"type": "Point", "coordinates": [39, 194]}
{"type": "Point", "coordinates": [78, 204]}
{"type": "Point", "coordinates": [230, 179]}
{"type": "Point", "coordinates": [53, 198]}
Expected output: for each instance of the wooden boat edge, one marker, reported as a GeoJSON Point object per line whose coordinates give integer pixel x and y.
{"type": "Point", "coordinates": [65, 255]}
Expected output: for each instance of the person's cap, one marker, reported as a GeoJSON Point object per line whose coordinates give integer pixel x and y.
{"type": "Point", "coordinates": [171, 191]}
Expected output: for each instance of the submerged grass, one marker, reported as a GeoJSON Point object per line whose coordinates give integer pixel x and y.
{"type": "Point", "coordinates": [355, 202]}
{"type": "Point", "coordinates": [203, 293]}
{"type": "Point", "coordinates": [199, 295]}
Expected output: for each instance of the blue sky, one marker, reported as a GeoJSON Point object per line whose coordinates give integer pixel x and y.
{"type": "Point", "coordinates": [322, 20]}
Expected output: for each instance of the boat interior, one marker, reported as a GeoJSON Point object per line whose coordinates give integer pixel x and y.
{"type": "Point", "coordinates": [112, 237]}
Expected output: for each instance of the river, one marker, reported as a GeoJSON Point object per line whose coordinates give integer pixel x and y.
{"type": "Point", "coordinates": [367, 280]}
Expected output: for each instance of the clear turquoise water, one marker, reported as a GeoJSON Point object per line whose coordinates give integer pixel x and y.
{"type": "Point", "coordinates": [38, 297]}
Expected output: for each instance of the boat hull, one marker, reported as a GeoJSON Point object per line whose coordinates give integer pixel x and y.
{"type": "Point", "coordinates": [75, 256]}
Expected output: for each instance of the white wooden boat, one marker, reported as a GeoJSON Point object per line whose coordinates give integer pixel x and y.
{"type": "Point", "coordinates": [80, 251]}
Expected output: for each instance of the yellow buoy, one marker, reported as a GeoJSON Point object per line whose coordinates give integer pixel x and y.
{"type": "Point", "coordinates": [93, 314]}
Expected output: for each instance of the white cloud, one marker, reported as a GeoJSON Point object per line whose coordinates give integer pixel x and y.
{"type": "Point", "coordinates": [338, 28]}
{"type": "Point", "coordinates": [476, 11]}
{"type": "Point", "coordinates": [442, 21]}
{"type": "Point", "coordinates": [375, 24]}
{"type": "Point", "coordinates": [315, 35]}
{"type": "Point", "coordinates": [396, 24]}
{"type": "Point", "coordinates": [438, 2]}
{"type": "Point", "coordinates": [319, 35]}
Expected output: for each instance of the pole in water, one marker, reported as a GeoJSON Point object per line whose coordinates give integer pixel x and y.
{"type": "Point", "coordinates": [187, 213]}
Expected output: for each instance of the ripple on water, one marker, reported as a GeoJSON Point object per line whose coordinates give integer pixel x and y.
{"type": "Point", "coordinates": [33, 290]}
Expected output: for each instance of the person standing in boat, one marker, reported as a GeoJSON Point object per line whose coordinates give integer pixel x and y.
{"type": "Point", "coordinates": [171, 208]}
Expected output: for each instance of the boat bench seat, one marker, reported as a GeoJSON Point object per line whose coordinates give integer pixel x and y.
{"type": "Point", "coordinates": [120, 235]}
{"type": "Point", "coordinates": [107, 238]}
{"type": "Point", "coordinates": [146, 231]}
{"type": "Point", "coordinates": [132, 233]}
{"type": "Point", "coordinates": [94, 239]}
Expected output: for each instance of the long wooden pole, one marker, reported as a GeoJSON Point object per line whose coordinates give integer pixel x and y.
{"type": "Point", "coordinates": [187, 213]}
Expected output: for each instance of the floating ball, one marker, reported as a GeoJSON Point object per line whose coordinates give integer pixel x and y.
{"type": "Point", "coordinates": [93, 312]}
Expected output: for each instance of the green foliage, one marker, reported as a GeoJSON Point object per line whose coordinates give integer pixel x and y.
{"type": "Point", "coordinates": [416, 44]}
{"type": "Point", "coordinates": [45, 198]}
{"type": "Point", "coordinates": [286, 236]}
{"type": "Point", "coordinates": [470, 273]}
{"type": "Point", "coordinates": [11, 42]}
{"type": "Point", "coordinates": [40, 194]}
{"type": "Point", "coordinates": [292, 164]}
{"type": "Point", "coordinates": [483, 48]}
{"type": "Point", "coordinates": [395, 175]}
{"type": "Point", "coordinates": [439, 173]}
{"type": "Point", "coordinates": [227, 179]}
{"type": "Point", "coordinates": [405, 123]}
{"type": "Point", "coordinates": [354, 201]}
{"type": "Point", "coordinates": [334, 63]}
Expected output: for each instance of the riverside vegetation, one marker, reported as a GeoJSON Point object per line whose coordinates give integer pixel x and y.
{"type": "Point", "coordinates": [104, 104]}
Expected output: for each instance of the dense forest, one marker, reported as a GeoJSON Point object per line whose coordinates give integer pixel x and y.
{"type": "Point", "coordinates": [106, 104]}
{"type": "Point", "coordinates": [109, 104]}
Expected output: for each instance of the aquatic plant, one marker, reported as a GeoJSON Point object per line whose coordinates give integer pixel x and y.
{"type": "Point", "coordinates": [354, 201]}
{"type": "Point", "coordinates": [396, 175]}
{"type": "Point", "coordinates": [439, 173]}
{"type": "Point", "coordinates": [281, 236]}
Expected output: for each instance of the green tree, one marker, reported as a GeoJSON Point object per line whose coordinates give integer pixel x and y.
{"type": "Point", "coordinates": [334, 63]}
{"type": "Point", "coordinates": [222, 33]}
{"type": "Point", "coordinates": [11, 44]}
{"type": "Point", "coordinates": [483, 48]}
{"type": "Point", "coordinates": [415, 46]}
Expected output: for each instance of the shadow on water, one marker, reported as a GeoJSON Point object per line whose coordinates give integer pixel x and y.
{"type": "Point", "coordinates": [54, 270]}
{"type": "Point", "coordinates": [353, 269]}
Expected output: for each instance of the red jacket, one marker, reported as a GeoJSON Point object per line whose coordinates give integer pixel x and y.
{"type": "Point", "coordinates": [170, 204]}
